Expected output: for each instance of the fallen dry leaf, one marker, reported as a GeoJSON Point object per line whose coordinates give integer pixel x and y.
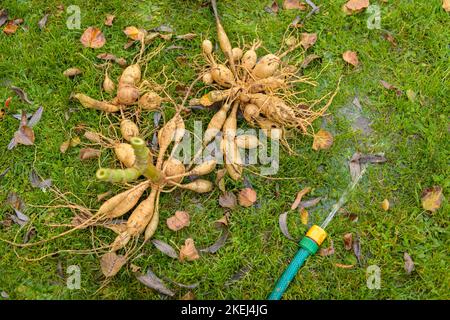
{"type": "Point", "coordinates": [389, 86]}
{"type": "Point", "coordinates": [247, 197]}
{"type": "Point", "coordinates": [322, 140]}
{"type": "Point", "coordinates": [294, 4]}
{"type": "Point", "coordinates": [309, 58]}
{"type": "Point", "coordinates": [348, 241]}
{"type": "Point", "coordinates": [432, 198]}
{"type": "Point", "coordinates": [37, 182]}
{"type": "Point", "coordinates": [344, 266]}
{"type": "Point", "coordinates": [93, 37]}
{"type": "Point", "coordinates": [3, 16]}
{"type": "Point", "coordinates": [324, 252]}
{"type": "Point", "coordinates": [165, 248]}
{"type": "Point", "coordinates": [109, 20]}
{"type": "Point", "coordinates": [299, 197]}
{"type": "Point", "coordinates": [220, 242]}
{"type": "Point", "coordinates": [43, 22]}
{"type": "Point", "coordinates": [308, 40]}
{"type": "Point", "coordinates": [355, 6]}
{"type": "Point", "coordinates": [188, 251]}
{"type": "Point", "coordinates": [64, 146]}
{"type": "Point", "coordinates": [152, 281]}
{"type": "Point", "coordinates": [409, 263]}
{"type": "Point", "coordinates": [227, 200]}
{"type": "Point", "coordinates": [178, 221]}
{"type": "Point", "coordinates": [111, 263]}
{"type": "Point", "coordinates": [385, 205]}
{"type": "Point", "coordinates": [273, 8]}
{"type": "Point", "coordinates": [309, 203]}
{"type": "Point", "coordinates": [446, 5]}
{"type": "Point", "coordinates": [21, 94]}
{"type": "Point", "coordinates": [187, 36]}
{"type": "Point", "coordinates": [389, 37]}
{"type": "Point", "coordinates": [282, 222]}
{"type": "Point", "coordinates": [357, 248]}
{"type": "Point", "coordinates": [304, 216]}
{"type": "Point", "coordinates": [72, 72]}
{"type": "Point", "coordinates": [89, 153]}
{"type": "Point", "coordinates": [134, 33]}
{"type": "Point", "coordinates": [351, 57]}
{"type": "Point", "coordinates": [10, 28]}
{"type": "Point", "coordinates": [24, 136]}
{"type": "Point", "coordinates": [188, 296]}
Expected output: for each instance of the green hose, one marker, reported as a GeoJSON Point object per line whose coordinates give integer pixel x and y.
{"type": "Point", "coordinates": [308, 247]}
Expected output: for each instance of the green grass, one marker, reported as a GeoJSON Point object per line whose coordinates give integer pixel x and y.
{"type": "Point", "coordinates": [413, 136]}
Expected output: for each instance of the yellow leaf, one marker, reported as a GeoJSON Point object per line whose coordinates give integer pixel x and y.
{"type": "Point", "coordinates": [432, 198]}
{"type": "Point", "coordinates": [322, 140]}
{"type": "Point", "coordinates": [304, 216]}
{"type": "Point", "coordinates": [134, 33]}
{"type": "Point", "coordinates": [385, 204]}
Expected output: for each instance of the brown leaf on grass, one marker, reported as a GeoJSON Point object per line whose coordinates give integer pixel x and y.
{"type": "Point", "coordinates": [273, 8]}
{"type": "Point", "coordinates": [165, 248]}
{"type": "Point", "coordinates": [188, 251]}
{"type": "Point", "coordinates": [93, 37]}
{"type": "Point", "coordinates": [153, 282]}
{"type": "Point", "coordinates": [282, 222]}
{"type": "Point", "coordinates": [220, 181]}
{"type": "Point", "coordinates": [351, 57]}
{"type": "Point", "coordinates": [348, 241]}
{"type": "Point", "coordinates": [325, 252]}
{"type": "Point", "coordinates": [188, 296]}
{"type": "Point", "coordinates": [220, 242]}
{"type": "Point", "coordinates": [64, 146]}
{"type": "Point", "coordinates": [247, 197]}
{"type": "Point", "coordinates": [389, 86]}
{"type": "Point", "coordinates": [25, 136]}
{"type": "Point", "coordinates": [446, 5]}
{"type": "Point", "coordinates": [3, 16]}
{"type": "Point", "coordinates": [178, 221]}
{"type": "Point", "coordinates": [109, 20]}
{"type": "Point", "coordinates": [187, 36]}
{"type": "Point", "coordinates": [299, 197]}
{"type": "Point", "coordinates": [309, 203]}
{"type": "Point", "coordinates": [21, 94]}
{"type": "Point", "coordinates": [389, 37]}
{"type": "Point", "coordinates": [304, 216]}
{"type": "Point", "coordinates": [134, 33]}
{"type": "Point", "coordinates": [409, 263]}
{"type": "Point", "coordinates": [293, 5]}
{"type": "Point", "coordinates": [222, 222]}
{"type": "Point", "coordinates": [309, 58]}
{"type": "Point", "coordinates": [111, 263]}
{"type": "Point", "coordinates": [357, 248]}
{"type": "Point", "coordinates": [89, 153]}
{"type": "Point", "coordinates": [385, 205]}
{"type": "Point", "coordinates": [322, 140]}
{"type": "Point", "coordinates": [344, 266]}
{"type": "Point", "coordinates": [432, 198]}
{"type": "Point", "coordinates": [72, 72]}
{"type": "Point", "coordinates": [355, 6]}
{"type": "Point", "coordinates": [43, 22]}
{"type": "Point", "coordinates": [308, 40]}
{"type": "Point", "coordinates": [227, 200]}
{"type": "Point", "coordinates": [10, 28]}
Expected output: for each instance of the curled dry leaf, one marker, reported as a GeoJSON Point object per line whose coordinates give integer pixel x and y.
{"type": "Point", "coordinates": [348, 241]}
{"type": "Point", "coordinates": [89, 153]}
{"type": "Point", "coordinates": [22, 94]}
{"type": "Point", "coordinates": [93, 37]}
{"type": "Point", "coordinates": [178, 221]}
{"type": "Point", "coordinates": [109, 20]}
{"type": "Point", "coordinates": [324, 252]}
{"type": "Point", "coordinates": [409, 264]}
{"type": "Point", "coordinates": [309, 203]}
{"type": "Point", "coordinates": [227, 200]}
{"type": "Point", "coordinates": [188, 251]}
{"type": "Point", "coordinates": [385, 205]}
{"type": "Point", "coordinates": [187, 36]}
{"type": "Point", "coordinates": [293, 5]}
{"type": "Point", "coordinates": [247, 197]}
{"type": "Point", "coordinates": [355, 6]}
{"type": "Point", "coordinates": [111, 263]}
{"type": "Point", "coordinates": [299, 197]}
{"type": "Point", "coordinates": [432, 198]}
{"type": "Point", "coordinates": [72, 72]}
{"type": "Point", "coordinates": [43, 22]}
{"type": "Point", "coordinates": [389, 86]}
{"type": "Point", "coordinates": [153, 282]}
{"type": "Point", "coordinates": [3, 16]}
{"type": "Point", "coordinates": [357, 248]}
{"type": "Point", "coordinates": [322, 140]}
{"type": "Point", "coordinates": [309, 58]}
{"type": "Point", "coordinates": [304, 216]}
{"type": "Point", "coordinates": [308, 40]}
{"type": "Point", "coordinates": [165, 248]}
{"type": "Point", "coordinates": [220, 242]}
{"type": "Point", "coordinates": [446, 5]}
{"type": "Point", "coordinates": [10, 28]}
{"type": "Point", "coordinates": [351, 57]}
{"type": "Point", "coordinates": [134, 33]}
{"type": "Point", "coordinates": [37, 182]}
{"type": "Point", "coordinates": [273, 8]}
{"type": "Point", "coordinates": [282, 222]}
